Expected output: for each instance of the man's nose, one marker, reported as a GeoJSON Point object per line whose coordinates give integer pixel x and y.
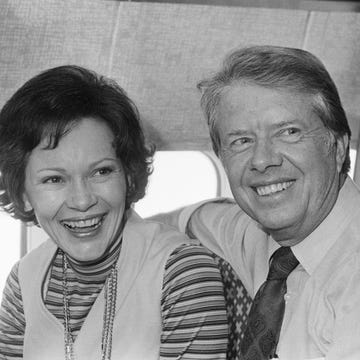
{"type": "Point", "coordinates": [265, 154]}
{"type": "Point", "coordinates": [80, 196]}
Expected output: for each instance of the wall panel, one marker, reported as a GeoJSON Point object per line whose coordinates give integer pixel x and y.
{"type": "Point", "coordinates": [158, 52]}
{"type": "Point", "coordinates": [38, 34]}
{"type": "Point", "coordinates": [335, 38]}
{"type": "Point", "coordinates": [170, 47]}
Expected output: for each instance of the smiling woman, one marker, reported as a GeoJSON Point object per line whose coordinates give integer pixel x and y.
{"type": "Point", "coordinates": [106, 283]}
{"type": "Point", "coordinates": [78, 190]}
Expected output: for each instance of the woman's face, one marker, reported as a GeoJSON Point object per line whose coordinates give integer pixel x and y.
{"type": "Point", "coordinates": [78, 190]}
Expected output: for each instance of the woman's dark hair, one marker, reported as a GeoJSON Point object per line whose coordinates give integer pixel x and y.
{"type": "Point", "coordinates": [48, 106]}
{"type": "Point", "coordinates": [279, 68]}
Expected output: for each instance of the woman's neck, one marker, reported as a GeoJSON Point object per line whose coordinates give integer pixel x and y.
{"type": "Point", "coordinates": [99, 266]}
{"type": "Point", "coordinates": [103, 264]}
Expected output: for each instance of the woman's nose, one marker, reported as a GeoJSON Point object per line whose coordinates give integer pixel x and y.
{"type": "Point", "coordinates": [265, 154]}
{"type": "Point", "coordinates": [80, 196]}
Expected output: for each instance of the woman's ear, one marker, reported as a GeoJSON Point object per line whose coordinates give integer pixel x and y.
{"type": "Point", "coordinates": [129, 191]}
{"type": "Point", "coordinates": [130, 184]}
{"type": "Point", "coordinates": [27, 204]}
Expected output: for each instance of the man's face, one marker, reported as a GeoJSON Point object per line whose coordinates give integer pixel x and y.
{"type": "Point", "coordinates": [282, 163]}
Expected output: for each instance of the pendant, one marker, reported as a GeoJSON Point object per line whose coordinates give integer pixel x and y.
{"type": "Point", "coordinates": [110, 294]}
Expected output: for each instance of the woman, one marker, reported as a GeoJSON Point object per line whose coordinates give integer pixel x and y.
{"type": "Point", "coordinates": [106, 284]}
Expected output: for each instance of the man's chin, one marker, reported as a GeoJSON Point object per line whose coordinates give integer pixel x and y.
{"type": "Point", "coordinates": [284, 232]}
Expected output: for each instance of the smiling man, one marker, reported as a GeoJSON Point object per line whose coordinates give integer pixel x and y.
{"type": "Point", "coordinates": [278, 126]}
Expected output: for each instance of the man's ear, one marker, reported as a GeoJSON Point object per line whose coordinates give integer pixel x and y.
{"type": "Point", "coordinates": [342, 143]}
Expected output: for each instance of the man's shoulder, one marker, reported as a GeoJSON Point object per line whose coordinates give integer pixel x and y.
{"type": "Point", "coordinates": [223, 222]}
{"type": "Point", "coordinates": [224, 217]}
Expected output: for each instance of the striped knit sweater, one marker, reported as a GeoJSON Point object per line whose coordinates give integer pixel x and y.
{"type": "Point", "coordinates": [190, 270]}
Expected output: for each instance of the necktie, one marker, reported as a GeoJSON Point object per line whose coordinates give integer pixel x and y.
{"type": "Point", "coordinates": [267, 311]}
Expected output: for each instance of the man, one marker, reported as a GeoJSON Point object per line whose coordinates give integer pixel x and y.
{"type": "Point", "coordinates": [278, 126]}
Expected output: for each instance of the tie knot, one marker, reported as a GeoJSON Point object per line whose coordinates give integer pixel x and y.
{"type": "Point", "coordinates": [283, 262]}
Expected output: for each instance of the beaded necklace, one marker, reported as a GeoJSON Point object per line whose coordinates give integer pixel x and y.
{"type": "Point", "coordinates": [108, 318]}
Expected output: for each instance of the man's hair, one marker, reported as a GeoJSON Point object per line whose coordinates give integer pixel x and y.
{"type": "Point", "coordinates": [278, 68]}
{"type": "Point", "coordinates": [48, 106]}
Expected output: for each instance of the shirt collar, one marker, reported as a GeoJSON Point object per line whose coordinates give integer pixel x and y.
{"type": "Point", "coordinates": [272, 247]}
{"type": "Point", "coordinates": [313, 248]}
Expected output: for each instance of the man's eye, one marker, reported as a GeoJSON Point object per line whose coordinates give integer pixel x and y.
{"type": "Point", "coordinates": [52, 180]}
{"type": "Point", "coordinates": [241, 141]}
{"type": "Point", "coordinates": [290, 131]}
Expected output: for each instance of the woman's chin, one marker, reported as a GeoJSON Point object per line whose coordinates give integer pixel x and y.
{"type": "Point", "coordinates": [84, 254]}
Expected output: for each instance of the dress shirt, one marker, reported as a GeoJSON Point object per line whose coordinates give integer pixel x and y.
{"type": "Point", "coordinates": [322, 312]}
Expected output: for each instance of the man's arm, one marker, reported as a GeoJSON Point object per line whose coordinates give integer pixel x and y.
{"type": "Point", "coordinates": [222, 227]}
{"type": "Point", "coordinates": [192, 218]}
{"type": "Point", "coordinates": [170, 218]}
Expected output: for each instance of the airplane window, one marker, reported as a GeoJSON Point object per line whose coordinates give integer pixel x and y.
{"type": "Point", "coordinates": [179, 178]}
{"type": "Point", "coordinates": [352, 159]}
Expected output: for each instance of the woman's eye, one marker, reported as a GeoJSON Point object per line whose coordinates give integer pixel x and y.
{"type": "Point", "coordinates": [52, 180]}
{"type": "Point", "coordinates": [103, 171]}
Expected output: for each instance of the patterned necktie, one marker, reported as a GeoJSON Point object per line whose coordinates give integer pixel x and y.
{"type": "Point", "coordinates": [267, 311]}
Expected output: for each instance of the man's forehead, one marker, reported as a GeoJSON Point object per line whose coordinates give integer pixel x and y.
{"type": "Point", "coordinates": [244, 104]}
{"type": "Point", "coordinates": [245, 90]}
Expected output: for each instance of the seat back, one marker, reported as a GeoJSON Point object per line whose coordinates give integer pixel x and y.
{"type": "Point", "coordinates": [238, 303]}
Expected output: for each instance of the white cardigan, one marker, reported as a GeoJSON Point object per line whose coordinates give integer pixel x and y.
{"type": "Point", "coordinates": [137, 327]}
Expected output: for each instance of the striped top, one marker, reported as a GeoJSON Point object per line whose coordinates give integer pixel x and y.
{"type": "Point", "coordinates": [193, 313]}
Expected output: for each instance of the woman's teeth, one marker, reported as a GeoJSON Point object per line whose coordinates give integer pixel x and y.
{"type": "Point", "coordinates": [92, 223]}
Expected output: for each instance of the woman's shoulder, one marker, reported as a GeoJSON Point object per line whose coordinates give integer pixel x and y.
{"type": "Point", "coordinates": [192, 251]}
{"type": "Point", "coordinates": [45, 247]}
{"type": "Point", "coordinates": [36, 257]}
{"type": "Point", "coordinates": [191, 261]}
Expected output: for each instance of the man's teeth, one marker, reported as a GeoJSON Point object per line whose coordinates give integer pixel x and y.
{"type": "Point", "coordinates": [273, 188]}
{"type": "Point", "coordinates": [80, 224]}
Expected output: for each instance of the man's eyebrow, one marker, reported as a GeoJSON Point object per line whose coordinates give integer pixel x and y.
{"type": "Point", "coordinates": [283, 123]}
{"type": "Point", "coordinates": [237, 132]}
{"type": "Point", "coordinates": [286, 123]}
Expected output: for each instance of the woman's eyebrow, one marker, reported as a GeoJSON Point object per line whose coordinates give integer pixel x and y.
{"type": "Point", "coordinates": [97, 162]}
{"type": "Point", "coordinates": [57, 169]}
{"type": "Point", "coordinates": [93, 164]}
